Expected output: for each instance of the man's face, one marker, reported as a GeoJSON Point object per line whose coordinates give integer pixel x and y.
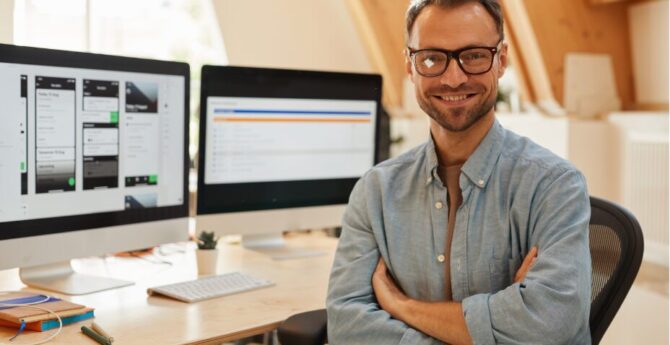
{"type": "Point", "coordinates": [456, 100]}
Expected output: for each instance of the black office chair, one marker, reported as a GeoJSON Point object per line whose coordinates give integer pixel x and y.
{"type": "Point", "coordinates": [616, 244]}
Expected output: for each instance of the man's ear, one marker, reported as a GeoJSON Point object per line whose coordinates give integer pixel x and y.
{"type": "Point", "coordinates": [502, 59]}
{"type": "Point", "coordinates": [408, 63]}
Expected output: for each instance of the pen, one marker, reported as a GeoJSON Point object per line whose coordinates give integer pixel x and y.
{"type": "Point", "coordinates": [102, 332]}
{"type": "Point", "coordinates": [95, 336]}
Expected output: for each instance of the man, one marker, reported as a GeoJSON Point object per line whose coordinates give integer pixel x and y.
{"type": "Point", "coordinates": [433, 243]}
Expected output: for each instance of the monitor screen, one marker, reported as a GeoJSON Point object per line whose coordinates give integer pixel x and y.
{"type": "Point", "coordinates": [89, 140]}
{"type": "Point", "coordinates": [274, 139]}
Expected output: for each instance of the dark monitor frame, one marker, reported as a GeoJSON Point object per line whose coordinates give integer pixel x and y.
{"type": "Point", "coordinates": [233, 81]}
{"type": "Point", "coordinates": [59, 58]}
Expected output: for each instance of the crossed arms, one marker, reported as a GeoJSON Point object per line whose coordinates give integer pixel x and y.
{"type": "Point", "coordinates": [366, 306]}
{"type": "Point", "coordinates": [440, 320]}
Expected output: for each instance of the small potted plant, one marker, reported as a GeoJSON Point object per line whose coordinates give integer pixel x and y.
{"type": "Point", "coordinates": [207, 255]}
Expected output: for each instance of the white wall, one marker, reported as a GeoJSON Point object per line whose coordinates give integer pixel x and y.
{"type": "Point", "coordinates": [299, 34]}
{"type": "Point", "coordinates": [649, 43]}
{"type": "Point", "coordinates": [7, 21]}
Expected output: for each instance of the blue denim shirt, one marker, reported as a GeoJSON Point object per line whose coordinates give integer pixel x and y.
{"type": "Point", "coordinates": [516, 195]}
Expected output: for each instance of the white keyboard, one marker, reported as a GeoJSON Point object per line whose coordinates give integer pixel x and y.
{"type": "Point", "coordinates": [210, 287]}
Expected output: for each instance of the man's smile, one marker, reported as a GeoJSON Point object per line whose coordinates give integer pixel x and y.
{"type": "Point", "coordinates": [454, 100]}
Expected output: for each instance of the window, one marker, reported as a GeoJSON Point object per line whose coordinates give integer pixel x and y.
{"type": "Point", "coordinates": [181, 30]}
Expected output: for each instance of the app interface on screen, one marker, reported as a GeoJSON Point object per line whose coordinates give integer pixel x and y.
{"type": "Point", "coordinates": [287, 139]}
{"type": "Point", "coordinates": [80, 141]}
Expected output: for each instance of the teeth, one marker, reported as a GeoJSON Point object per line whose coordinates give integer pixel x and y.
{"type": "Point", "coordinates": [454, 98]}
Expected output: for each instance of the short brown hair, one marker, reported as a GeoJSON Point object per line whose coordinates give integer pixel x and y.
{"type": "Point", "coordinates": [416, 6]}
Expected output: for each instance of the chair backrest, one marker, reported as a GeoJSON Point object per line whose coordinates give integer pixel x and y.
{"type": "Point", "coordinates": [616, 244]}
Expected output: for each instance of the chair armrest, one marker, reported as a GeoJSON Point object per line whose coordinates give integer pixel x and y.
{"type": "Point", "coordinates": [308, 328]}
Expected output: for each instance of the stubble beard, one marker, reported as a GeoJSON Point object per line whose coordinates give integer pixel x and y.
{"type": "Point", "coordinates": [472, 115]}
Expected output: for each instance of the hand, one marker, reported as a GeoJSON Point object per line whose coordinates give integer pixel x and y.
{"type": "Point", "coordinates": [444, 321]}
{"type": "Point", "coordinates": [389, 296]}
{"type": "Point", "coordinates": [527, 263]}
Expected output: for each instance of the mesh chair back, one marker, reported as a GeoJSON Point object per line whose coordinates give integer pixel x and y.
{"type": "Point", "coordinates": [616, 244]}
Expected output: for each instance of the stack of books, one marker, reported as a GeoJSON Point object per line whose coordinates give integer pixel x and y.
{"type": "Point", "coordinates": [37, 319]}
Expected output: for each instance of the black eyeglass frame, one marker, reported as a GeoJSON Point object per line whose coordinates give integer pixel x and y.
{"type": "Point", "coordinates": [452, 54]}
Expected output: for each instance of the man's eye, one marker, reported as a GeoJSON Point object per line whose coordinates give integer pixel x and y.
{"type": "Point", "coordinates": [474, 56]}
{"type": "Point", "coordinates": [428, 63]}
{"type": "Point", "coordinates": [432, 60]}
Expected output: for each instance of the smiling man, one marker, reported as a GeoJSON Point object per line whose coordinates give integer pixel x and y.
{"type": "Point", "coordinates": [477, 236]}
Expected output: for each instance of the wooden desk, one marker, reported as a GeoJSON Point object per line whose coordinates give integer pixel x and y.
{"type": "Point", "coordinates": [133, 317]}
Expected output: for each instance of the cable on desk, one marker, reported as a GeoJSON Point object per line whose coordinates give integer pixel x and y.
{"type": "Point", "coordinates": [32, 305]}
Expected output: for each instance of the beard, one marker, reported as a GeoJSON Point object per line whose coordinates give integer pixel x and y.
{"type": "Point", "coordinates": [443, 117]}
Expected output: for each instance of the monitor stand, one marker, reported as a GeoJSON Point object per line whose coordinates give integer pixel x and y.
{"type": "Point", "coordinates": [60, 277]}
{"type": "Point", "coordinates": [274, 246]}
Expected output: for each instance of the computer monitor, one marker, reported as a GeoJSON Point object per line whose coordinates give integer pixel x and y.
{"type": "Point", "coordinates": [282, 149]}
{"type": "Point", "coordinates": [93, 160]}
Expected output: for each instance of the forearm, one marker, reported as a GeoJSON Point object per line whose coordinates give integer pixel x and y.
{"type": "Point", "coordinates": [355, 318]}
{"type": "Point", "coordinates": [356, 323]}
{"type": "Point", "coordinates": [440, 320]}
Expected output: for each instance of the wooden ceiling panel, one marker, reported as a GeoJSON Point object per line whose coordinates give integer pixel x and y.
{"type": "Point", "coordinates": [564, 26]}
{"type": "Point", "coordinates": [381, 25]}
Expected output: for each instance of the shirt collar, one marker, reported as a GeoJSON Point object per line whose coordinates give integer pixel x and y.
{"type": "Point", "coordinates": [431, 160]}
{"type": "Point", "coordinates": [479, 166]}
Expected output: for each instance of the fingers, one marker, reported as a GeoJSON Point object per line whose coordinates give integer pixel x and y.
{"type": "Point", "coordinates": [381, 267]}
{"type": "Point", "coordinates": [527, 263]}
{"type": "Point", "coordinates": [528, 260]}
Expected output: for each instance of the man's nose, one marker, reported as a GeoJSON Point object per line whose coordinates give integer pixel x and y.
{"type": "Point", "coordinates": [454, 75]}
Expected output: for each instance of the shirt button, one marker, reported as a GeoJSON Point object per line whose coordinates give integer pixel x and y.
{"type": "Point", "coordinates": [438, 205]}
{"type": "Point", "coordinates": [480, 182]}
{"type": "Point", "coordinates": [440, 258]}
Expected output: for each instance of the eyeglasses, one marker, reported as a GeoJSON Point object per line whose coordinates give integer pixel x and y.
{"type": "Point", "coordinates": [471, 60]}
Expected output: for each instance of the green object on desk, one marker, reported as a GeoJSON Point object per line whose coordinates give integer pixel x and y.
{"type": "Point", "coordinates": [97, 337]}
{"type": "Point", "coordinates": [96, 328]}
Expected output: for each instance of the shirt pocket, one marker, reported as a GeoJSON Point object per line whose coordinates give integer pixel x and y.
{"type": "Point", "coordinates": [502, 271]}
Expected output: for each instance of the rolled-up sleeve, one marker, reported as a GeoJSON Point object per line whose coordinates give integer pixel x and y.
{"type": "Point", "coordinates": [354, 316]}
{"type": "Point", "coordinates": [552, 305]}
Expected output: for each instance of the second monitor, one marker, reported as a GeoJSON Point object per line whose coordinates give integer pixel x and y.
{"type": "Point", "coordinates": [282, 149]}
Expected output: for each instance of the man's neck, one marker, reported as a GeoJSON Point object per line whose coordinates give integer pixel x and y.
{"type": "Point", "coordinates": [456, 147]}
